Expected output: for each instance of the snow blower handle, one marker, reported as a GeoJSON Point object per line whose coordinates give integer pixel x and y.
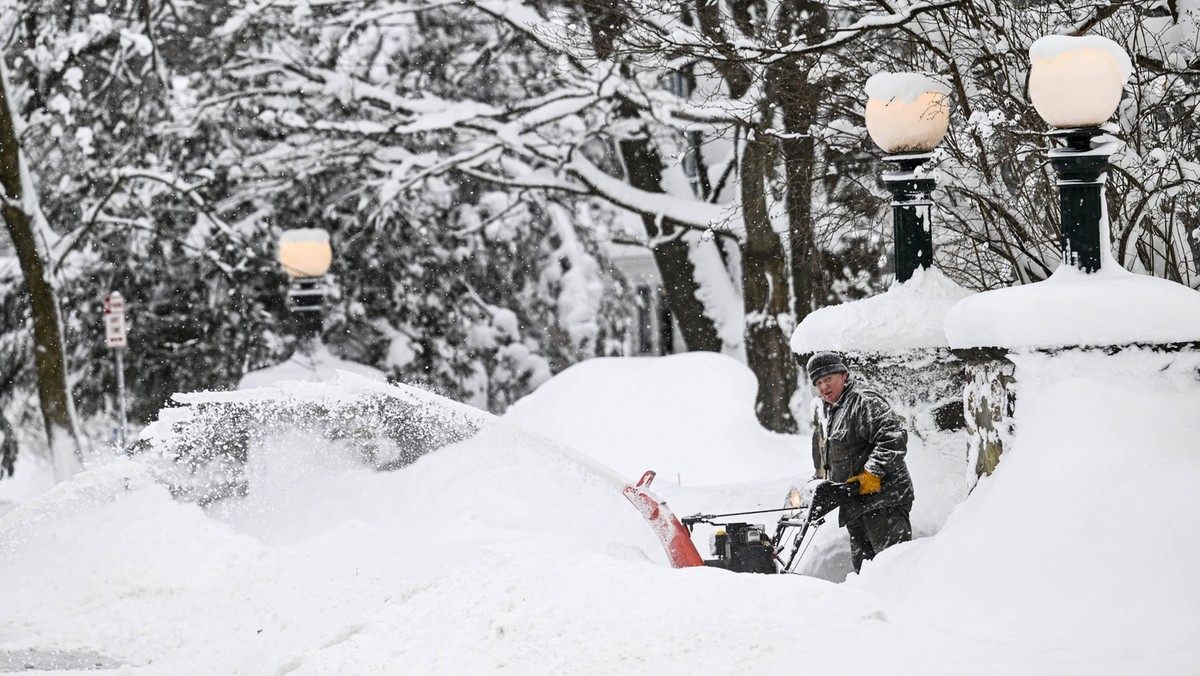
{"type": "Point", "coordinates": [827, 496]}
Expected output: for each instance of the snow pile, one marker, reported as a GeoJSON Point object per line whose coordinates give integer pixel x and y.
{"type": "Point", "coordinates": [501, 554]}
{"type": "Point", "coordinates": [1082, 541]}
{"type": "Point", "coordinates": [32, 476]}
{"type": "Point", "coordinates": [690, 417]}
{"type": "Point", "coordinates": [1050, 47]}
{"type": "Point", "coordinates": [315, 563]}
{"type": "Point", "coordinates": [906, 316]}
{"type": "Point", "coordinates": [506, 553]}
{"type": "Point", "coordinates": [1108, 307]}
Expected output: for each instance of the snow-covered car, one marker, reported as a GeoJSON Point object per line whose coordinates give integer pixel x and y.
{"type": "Point", "coordinates": [203, 443]}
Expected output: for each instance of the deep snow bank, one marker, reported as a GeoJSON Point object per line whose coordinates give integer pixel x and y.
{"type": "Point", "coordinates": [689, 416]}
{"type": "Point", "coordinates": [507, 553]}
{"type": "Point", "coordinates": [1085, 537]}
{"type": "Point", "coordinates": [502, 553]}
{"type": "Point", "coordinates": [320, 549]}
{"type": "Point", "coordinates": [488, 557]}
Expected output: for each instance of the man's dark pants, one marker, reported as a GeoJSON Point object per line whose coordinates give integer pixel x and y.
{"type": "Point", "coordinates": [877, 530]}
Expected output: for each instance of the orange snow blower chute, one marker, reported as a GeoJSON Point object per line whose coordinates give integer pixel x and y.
{"type": "Point", "coordinates": [743, 547]}
{"type": "Point", "coordinates": [674, 537]}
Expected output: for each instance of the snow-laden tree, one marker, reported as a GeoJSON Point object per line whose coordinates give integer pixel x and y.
{"type": "Point", "coordinates": [712, 123]}
{"type": "Point", "coordinates": [998, 220]}
{"type": "Point", "coordinates": [467, 159]}
{"type": "Point", "coordinates": [31, 239]}
{"type": "Point", "coordinates": [344, 122]}
{"type": "Point", "coordinates": [124, 198]}
{"type": "Point", "coordinates": [49, 48]}
{"type": "Point", "coordinates": [146, 188]}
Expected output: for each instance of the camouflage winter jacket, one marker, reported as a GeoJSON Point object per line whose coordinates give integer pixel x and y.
{"type": "Point", "coordinates": [858, 432]}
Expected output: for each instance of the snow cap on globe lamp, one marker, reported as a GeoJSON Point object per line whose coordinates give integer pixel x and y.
{"type": "Point", "coordinates": [305, 252]}
{"type": "Point", "coordinates": [906, 112]}
{"type": "Point", "coordinates": [1076, 81]}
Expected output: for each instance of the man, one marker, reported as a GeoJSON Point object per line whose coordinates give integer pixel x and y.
{"type": "Point", "coordinates": [859, 439]}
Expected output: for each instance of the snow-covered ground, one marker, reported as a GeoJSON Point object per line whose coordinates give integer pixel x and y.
{"type": "Point", "coordinates": [513, 553]}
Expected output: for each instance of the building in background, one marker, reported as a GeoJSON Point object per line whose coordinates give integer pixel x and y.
{"type": "Point", "coordinates": [654, 331]}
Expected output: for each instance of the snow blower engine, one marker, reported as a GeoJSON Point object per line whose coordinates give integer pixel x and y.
{"type": "Point", "coordinates": [740, 547]}
{"type": "Point", "coordinates": [746, 548]}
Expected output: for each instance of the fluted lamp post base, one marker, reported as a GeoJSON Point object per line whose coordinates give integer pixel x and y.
{"type": "Point", "coordinates": [911, 205]}
{"type": "Point", "coordinates": [306, 299]}
{"type": "Point", "coordinates": [1081, 169]}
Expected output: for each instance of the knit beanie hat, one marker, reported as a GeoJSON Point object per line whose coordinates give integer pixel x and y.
{"type": "Point", "coordinates": [824, 363]}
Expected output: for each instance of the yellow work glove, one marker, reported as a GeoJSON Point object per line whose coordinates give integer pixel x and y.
{"type": "Point", "coordinates": [867, 483]}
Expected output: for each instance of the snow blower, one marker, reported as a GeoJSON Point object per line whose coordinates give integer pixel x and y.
{"type": "Point", "coordinates": [739, 546]}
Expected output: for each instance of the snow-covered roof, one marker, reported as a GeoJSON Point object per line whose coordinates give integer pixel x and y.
{"type": "Point", "coordinates": [906, 316]}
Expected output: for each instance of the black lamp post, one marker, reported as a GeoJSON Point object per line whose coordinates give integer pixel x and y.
{"type": "Point", "coordinates": [907, 117]}
{"type": "Point", "coordinates": [911, 209]}
{"type": "Point", "coordinates": [306, 299]}
{"type": "Point", "coordinates": [306, 255]}
{"type": "Point", "coordinates": [1080, 167]}
{"type": "Point", "coordinates": [1075, 84]}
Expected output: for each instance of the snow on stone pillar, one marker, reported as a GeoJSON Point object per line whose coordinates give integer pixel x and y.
{"type": "Point", "coordinates": [1075, 84]}
{"type": "Point", "coordinates": [989, 402]}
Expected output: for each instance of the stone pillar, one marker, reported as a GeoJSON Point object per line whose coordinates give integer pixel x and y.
{"type": "Point", "coordinates": [916, 382]}
{"type": "Point", "coordinates": [989, 402]}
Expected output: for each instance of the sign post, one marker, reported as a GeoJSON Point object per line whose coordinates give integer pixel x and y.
{"type": "Point", "coordinates": [114, 333]}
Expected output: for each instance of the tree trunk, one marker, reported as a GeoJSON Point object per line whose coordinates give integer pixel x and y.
{"type": "Point", "coordinates": [807, 266]}
{"type": "Point", "coordinates": [765, 293]}
{"type": "Point", "coordinates": [54, 395]}
{"type": "Point", "coordinates": [797, 99]}
{"type": "Point", "coordinates": [643, 168]}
